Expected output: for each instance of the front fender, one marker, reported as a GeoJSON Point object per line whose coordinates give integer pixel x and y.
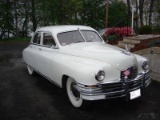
{"type": "Point", "coordinates": [140, 61]}
{"type": "Point", "coordinates": [83, 70]}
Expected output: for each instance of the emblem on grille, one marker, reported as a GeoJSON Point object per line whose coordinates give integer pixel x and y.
{"type": "Point", "coordinates": [126, 73]}
{"type": "Point", "coordinates": [129, 73]}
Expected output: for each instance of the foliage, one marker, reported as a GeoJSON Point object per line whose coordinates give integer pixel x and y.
{"type": "Point", "coordinates": [156, 29]}
{"type": "Point", "coordinates": [146, 29]}
{"type": "Point", "coordinates": [117, 13]}
{"type": "Point", "coordinates": [156, 25]}
{"type": "Point", "coordinates": [20, 17]}
{"type": "Point", "coordinates": [154, 43]}
{"type": "Point", "coordinates": [111, 37]}
{"type": "Point", "coordinates": [6, 19]}
{"type": "Point", "coordinates": [93, 13]}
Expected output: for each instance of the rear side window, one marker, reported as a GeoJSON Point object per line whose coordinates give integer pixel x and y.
{"type": "Point", "coordinates": [37, 38]}
{"type": "Point", "coordinates": [48, 39]}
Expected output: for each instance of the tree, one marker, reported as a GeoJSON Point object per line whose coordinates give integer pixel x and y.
{"type": "Point", "coordinates": [34, 16]}
{"type": "Point", "coordinates": [93, 13]}
{"type": "Point", "coordinates": [141, 3]}
{"type": "Point", "coordinates": [118, 14]}
{"type": "Point", "coordinates": [151, 11]}
{"type": "Point", "coordinates": [16, 17]}
{"type": "Point", "coordinates": [6, 20]}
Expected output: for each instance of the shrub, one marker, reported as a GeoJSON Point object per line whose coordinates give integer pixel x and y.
{"type": "Point", "coordinates": [154, 43]}
{"type": "Point", "coordinates": [156, 29]}
{"type": "Point", "coordinates": [146, 29]}
{"type": "Point", "coordinates": [111, 37]}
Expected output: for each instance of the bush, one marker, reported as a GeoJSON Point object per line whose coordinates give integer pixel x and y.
{"type": "Point", "coordinates": [156, 29]}
{"type": "Point", "coordinates": [111, 37]}
{"type": "Point", "coordinates": [145, 29]}
{"type": "Point", "coordinates": [154, 43]}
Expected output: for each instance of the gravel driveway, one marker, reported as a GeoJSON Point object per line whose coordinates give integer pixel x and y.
{"type": "Point", "coordinates": [25, 97]}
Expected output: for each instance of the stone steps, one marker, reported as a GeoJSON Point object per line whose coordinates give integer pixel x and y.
{"type": "Point", "coordinates": [131, 41]}
{"type": "Point", "coordinates": [123, 44]}
{"type": "Point", "coordinates": [135, 40]}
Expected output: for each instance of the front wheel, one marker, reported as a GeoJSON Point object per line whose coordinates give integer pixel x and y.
{"type": "Point", "coordinates": [74, 95]}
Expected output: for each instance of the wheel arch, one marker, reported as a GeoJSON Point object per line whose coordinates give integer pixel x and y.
{"type": "Point", "coordinates": [64, 80]}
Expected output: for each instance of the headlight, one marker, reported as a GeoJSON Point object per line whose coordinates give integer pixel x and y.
{"type": "Point", "coordinates": [145, 65]}
{"type": "Point", "coordinates": [100, 75]}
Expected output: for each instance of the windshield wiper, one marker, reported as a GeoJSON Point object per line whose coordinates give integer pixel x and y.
{"type": "Point", "coordinates": [90, 41]}
{"type": "Point", "coordinates": [78, 41]}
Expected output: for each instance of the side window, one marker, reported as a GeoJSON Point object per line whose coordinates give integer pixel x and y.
{"type": "Point", "coordinates": [37, 38]}
{"type": "Point", "coordinates": [48, 39]}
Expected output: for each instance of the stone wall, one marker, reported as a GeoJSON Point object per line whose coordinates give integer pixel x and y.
{"type": "Point", "coordinates": [153, 55]}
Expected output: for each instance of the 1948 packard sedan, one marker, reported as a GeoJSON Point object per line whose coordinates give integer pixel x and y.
{"type": "Point", "coordinates": [76, 58]}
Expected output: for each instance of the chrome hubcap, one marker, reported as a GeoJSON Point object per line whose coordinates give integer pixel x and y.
{"type": "Point", "coordinates": [74, 91]}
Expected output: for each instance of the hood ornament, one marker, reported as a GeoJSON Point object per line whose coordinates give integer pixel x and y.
{"type": "Point", "coordinates": [128, 47]}
{"type": "Point", "coordinates": [127, 51]}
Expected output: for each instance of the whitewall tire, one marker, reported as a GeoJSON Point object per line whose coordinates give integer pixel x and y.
{"type": "Point", "coordinates": [74, 95]}
{"type": "Point", "coordinates": [30, 70]}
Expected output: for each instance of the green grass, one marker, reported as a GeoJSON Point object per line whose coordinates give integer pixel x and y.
{"type": "Point", "coordinates": [24, 39]}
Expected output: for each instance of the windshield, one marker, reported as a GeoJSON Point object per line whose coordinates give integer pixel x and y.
{"type": "Point", "coordinates": [78, 36]}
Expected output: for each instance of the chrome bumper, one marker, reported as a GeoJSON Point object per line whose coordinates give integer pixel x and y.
{"type": "Point", "coordinates": [114, 90]}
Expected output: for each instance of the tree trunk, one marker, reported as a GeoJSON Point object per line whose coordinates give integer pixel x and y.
{"type": "Point", "coordinates": [26, 17]}
{"type": "Point", "coordinates": [129, 8]}
{"type": "Point", "coordinates": [150, 12]}
{"type": "Point", "coordinates": [8, 17]}
{"type": "Point", "coordinates": [75, 21]}
{"type": "Point", "coordinates": [136, 20]}
{"type": "Point", "coordinates": [16, 17]}
{"type": "Point", "coordinates": [141, 3]}
{"type": "Point", "coordinates": [33, 16]}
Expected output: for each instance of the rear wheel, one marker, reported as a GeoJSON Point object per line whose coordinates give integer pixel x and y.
{"type": "Point", "coordinates": [74, 95]}
{"type": "Point", "coordinates": [30, 70]}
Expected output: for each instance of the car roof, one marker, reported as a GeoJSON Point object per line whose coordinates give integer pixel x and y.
{"type": "Point", "coordinates": [64, 28]}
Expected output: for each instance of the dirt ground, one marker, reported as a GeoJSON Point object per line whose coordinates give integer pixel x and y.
{"type": "Point", "coordinates": [25, 97]}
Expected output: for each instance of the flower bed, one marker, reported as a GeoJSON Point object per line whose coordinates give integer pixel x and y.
{"type": "Point", "coordinates": [113, 35]}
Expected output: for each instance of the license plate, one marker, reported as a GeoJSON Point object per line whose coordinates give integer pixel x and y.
{"type": "Point", "coordinates": [134, 94]}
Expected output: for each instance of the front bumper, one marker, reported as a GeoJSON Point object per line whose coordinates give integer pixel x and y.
{"type": "Point", "coordinates": [114, 90]}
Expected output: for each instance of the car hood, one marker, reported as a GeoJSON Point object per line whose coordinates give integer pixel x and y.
{"type": "Point", "coordinates": [115, 56]}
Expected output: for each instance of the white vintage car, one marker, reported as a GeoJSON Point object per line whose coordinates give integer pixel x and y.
{"type": "Point", "coordinates": [76, 58]}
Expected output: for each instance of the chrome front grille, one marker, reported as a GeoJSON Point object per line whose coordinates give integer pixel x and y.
{"type": "Point", "coordinates": [134, 84]}
{"type": "Point", "coordinates": [112, 87]}
{"type": "Point", "coordinates": [133, 73]}
{"type": "Point", "coordinates": [117, 89]}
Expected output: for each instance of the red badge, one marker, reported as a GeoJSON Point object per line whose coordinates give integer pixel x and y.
{"type": "Point", "coordinates": [126, 73]}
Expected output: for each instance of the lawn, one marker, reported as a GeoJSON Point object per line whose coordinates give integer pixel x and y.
{"type": "Point", "coordinates": [24, 39]}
